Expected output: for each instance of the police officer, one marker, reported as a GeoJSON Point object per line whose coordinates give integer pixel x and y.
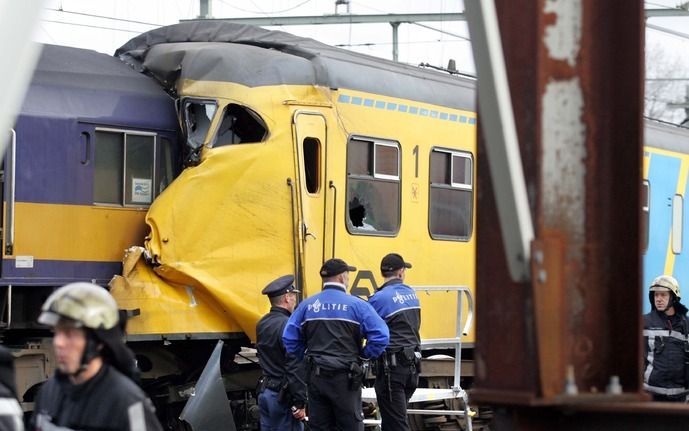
{"type": "Point", "coordinates": [282, 393]}
{"type": "Point", "coordinates": [667, 347]}
{"type": "Point", "coordinates": [327, 329]}
{"type": "Point", "coordinates": [92, 387]}
{"type": "Point", "coordinates": [397, 370]}
{"type": "Point", "coordinates": [11, 415]}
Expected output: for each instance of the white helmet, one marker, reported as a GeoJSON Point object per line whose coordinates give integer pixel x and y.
{"type": "Point", "coordinates": [84, 304]}
{"type": "Point", "coordinates": [666, 282]}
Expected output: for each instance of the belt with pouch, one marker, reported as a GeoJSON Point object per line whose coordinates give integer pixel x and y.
{"type": "Point", "coordinates": [272, 384]}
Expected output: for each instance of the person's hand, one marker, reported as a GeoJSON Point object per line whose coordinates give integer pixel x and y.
{"type": "Point", "coordinates": [299, 414]}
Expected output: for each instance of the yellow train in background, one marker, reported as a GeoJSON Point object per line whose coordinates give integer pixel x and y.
{"type": "Point", "coordinates": [298, 152]}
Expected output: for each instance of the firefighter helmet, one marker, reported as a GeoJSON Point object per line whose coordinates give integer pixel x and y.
{"type": "Point", "coordinates": [666, 282]}
{"type": "Point", "coordinates": [84, 304]}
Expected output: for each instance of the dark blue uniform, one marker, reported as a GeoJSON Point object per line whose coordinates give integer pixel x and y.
{"type": "Point", "coordinates": [397, 370]}
{"type": "Point", "coordinates": [667, 341]}
{"type": "Point", "coordinates": [328, 329]}
{"type": "Point", "coordinates": [283, 375]}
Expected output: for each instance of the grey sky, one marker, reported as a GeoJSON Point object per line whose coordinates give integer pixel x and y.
{"type": "Point", "coordinates": [85, 24]}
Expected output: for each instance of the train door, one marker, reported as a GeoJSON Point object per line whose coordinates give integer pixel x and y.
{"type": "Point", "coordinates": [310, 143]}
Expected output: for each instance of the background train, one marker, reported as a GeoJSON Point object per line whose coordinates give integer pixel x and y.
{"type": "Point", "coordinates": [240, 155]}
{"type": "Point", "coordinates": [666, 165]}
{"type": "Point", "coordinates": [94, 144]}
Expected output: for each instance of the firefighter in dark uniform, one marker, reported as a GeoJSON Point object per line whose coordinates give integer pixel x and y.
{"type": "Point", "coordinates": [282, 391]}
{"type": "Point", "coordinates": [328, 329]}
{"type": "Point", "coordinates": [93, 387]}
{"type": "Point", "coordinates": [666, 363]}
{"type": "Point", "coordinates": [397, 370]}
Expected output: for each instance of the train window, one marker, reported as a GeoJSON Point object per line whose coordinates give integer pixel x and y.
{"type": "Point", "coordinates": [311, 148]}
{"type": "Point", "coordinates": [139, 162]}
{"type": "Point", "coordinates": [109, 164]}
{"type": "Point", "coordinates": [239, 125]}
{"type": "Point", "coordinates": [373, 187]}
{"type": "Point", "coordinates": [645, 211]}
{"type": "Point", "coordinates": [125, 167]}
{"type": "Point", "coordinates": [166, 167]}
{"type": "Point", "coordinates": [198, 115]}
{"type": "Point", "coordinates": [451, 195]}
{"type": "Point", "coordinates": [677, 219]}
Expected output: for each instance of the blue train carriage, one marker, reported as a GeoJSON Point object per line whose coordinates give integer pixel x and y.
{"type": "Point", "coordinates": [93, 145]}
{"type": "Point", "coordinates": [665, 168]}
{"type": "Point", "coordinates": [298, 152]}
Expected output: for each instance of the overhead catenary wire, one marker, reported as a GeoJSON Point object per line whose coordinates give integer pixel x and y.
{"type": "Point", "coordinates": [91, 26]}
{"type": "Point", "coordinates": [104, 17]}
{"type": "Point", "coordinates": [272, 12]}
{"type": "Point", "coordinates": [667, 30]}
{"type": "Point", "coordinates": [442, 31]}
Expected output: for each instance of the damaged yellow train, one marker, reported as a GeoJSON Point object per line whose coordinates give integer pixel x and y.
{"type": "Point", "coordinates": [297, 152]}
{"type": "Point", "coordinates": [294, 152]}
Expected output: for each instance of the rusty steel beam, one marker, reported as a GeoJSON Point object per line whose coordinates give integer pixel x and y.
{"type": "Point", "coordinates": [575, 69]}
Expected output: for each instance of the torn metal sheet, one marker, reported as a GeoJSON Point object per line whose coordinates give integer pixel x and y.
{"type": "Point", "coordinates": [252, 56]}
{"type": "Point", "coordinates": [208, 408]}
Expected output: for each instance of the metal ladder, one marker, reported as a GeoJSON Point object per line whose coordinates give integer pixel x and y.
{"type": "Point", "coordinates": [456, 391]}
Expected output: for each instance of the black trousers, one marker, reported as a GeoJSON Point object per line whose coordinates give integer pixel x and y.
{"type": "Point", "coordinates": [332, 405]}
{"type": "Point", "coordinates": [393, 411]}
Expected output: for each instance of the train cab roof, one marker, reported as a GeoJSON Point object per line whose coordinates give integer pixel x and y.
{"type": "Point", "coordinates": [253, 56]}
{"type": "Point", "coordinates": [85, 85]}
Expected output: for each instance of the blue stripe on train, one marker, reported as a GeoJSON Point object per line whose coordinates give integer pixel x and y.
{"type": "Point", "coordinates": [663, 174]}
{"type": "Point", "coordinates": [58, 272]}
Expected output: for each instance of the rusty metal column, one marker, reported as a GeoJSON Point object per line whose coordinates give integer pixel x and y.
{"type": "Point", "coordinates": [575, 69]}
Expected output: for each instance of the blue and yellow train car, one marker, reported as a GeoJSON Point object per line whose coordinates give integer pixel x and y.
{"type": "Point", "coordinates": [666, 167]}
{"type": "Point", "coordinates": [298, 152]}
{"type": "Point", "coordinates": [94, 144]}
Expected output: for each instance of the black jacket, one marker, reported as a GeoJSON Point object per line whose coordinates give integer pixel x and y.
{"type": "Point", "coordinates": [11, 415]}
{"type": "Point", "coordinates": [107, 402]}
{"type": "Point", "coordinates": [399, 306]}
{"type": "Point", "coordinates": [277, 364]}
{"type": "Point", "coordinates": [665, 339]}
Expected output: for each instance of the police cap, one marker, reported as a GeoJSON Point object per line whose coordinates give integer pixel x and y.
{"type": "Point", "coordinates": [393, 262]}
{"type": "Point", "coordinates": [333, 267]}
{"type": "Point", "coordinates": [280, 286]}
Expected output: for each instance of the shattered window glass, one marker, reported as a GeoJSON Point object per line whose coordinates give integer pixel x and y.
{"type": "Point", "coordinates": [373, 187]}
{"type": "Point", "coordinates": [451, 195]}
{"type": "Point", "coordinates": [239, 125]}
{"type": "Point", "coordinates": [198, 115]}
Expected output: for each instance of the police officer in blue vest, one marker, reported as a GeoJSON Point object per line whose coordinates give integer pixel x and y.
{"type": "Point", "coordinates": [397, 370]}
{"type": "Point", "coordinates": [328, 329]}
{"type": "Point", "coordinates": [282, 391]}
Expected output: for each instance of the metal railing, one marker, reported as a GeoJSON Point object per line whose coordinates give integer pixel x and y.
{"type": "Point", "coordinates": [456, 391]}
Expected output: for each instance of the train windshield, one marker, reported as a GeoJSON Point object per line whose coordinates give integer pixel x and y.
{"type": "Point", "coordinates": [239, 125]}
{"type": "Point", "coordinates": [198, 115]}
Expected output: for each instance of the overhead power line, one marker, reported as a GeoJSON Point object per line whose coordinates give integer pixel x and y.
{"type": "Point", "coordinates": [668, 31]}
{"type": "Point", "coordinates": [667, 79]}
{"type": "Point", "coordinates": [262, 12]}
{"type": "Point", "coordinates": [91, 26]}
{"type": "Point", "coordinates": [103, 17]}
{"type": "Point", "coordinates": [442, 31]}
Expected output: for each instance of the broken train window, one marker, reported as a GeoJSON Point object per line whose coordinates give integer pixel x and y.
{"type": "Point", "coordinates": [198, 115]}
{"type": "Point", "coordinates": [239, 125]}
{"type": "Point", "coordinates": [373, 187]}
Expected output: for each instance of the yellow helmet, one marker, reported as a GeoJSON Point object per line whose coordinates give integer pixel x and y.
{"type": "Point", "coordinates": [666, 282]}
{"type": "Point", "coordinates": [85, 304]}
